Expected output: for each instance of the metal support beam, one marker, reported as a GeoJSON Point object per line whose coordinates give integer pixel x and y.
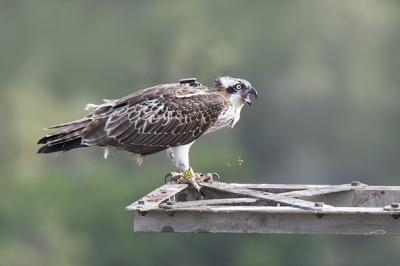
{"type": "Point", "coordinates": [353, 208]}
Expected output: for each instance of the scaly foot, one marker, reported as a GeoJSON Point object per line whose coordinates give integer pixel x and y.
{"type": "Point", "coordinates": [190, 177]}
{"type": "Point", "coordinates": [205, 178]}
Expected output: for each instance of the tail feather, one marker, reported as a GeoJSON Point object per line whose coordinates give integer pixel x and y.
{"type": "Point", "coordinates": [64, 146]}
{"type": "Point", "coordinates": [69, 137]}
{"type": "Point", "coordinates": [71, 124]}
{"type": "Point", "coordinates": [61, 136]}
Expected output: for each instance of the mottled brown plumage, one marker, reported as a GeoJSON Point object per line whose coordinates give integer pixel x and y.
{"type": "Point", "coordinates": [146, 121]}
{"type": "Point", "coordinates": [164, 117]}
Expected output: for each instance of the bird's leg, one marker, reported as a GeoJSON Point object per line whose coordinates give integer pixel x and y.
{"type": "Point", "coordinates": [185, 177]}
{"type": "Point", "coordinates": [190, 176]}
{"type": "Point", "coordinates": [179, 156]}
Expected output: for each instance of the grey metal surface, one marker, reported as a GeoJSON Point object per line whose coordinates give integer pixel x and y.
{"type": "Point", "coordinates": [353, 208]}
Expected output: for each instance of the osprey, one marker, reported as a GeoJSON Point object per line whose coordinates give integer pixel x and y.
{"type": "Point", "coordinates": [164, 117]}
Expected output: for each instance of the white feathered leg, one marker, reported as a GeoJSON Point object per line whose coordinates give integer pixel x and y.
{"type": "Point", "coordinates": [180, 158]}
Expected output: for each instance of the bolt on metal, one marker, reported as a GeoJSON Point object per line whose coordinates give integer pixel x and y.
{"type": "Point", "coordinates": [319, 204]}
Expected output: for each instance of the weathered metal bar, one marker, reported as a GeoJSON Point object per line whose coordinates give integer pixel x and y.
{"type": "Point", "coordinates": [319, 191]}
{"type": "Point", "coordinates": [281, 188]}
{"type": "Point", "coordinates": [323, 210]}
{"type": "Point", "coordinates": [246, 208]}
{"type": "Point", "coordinates": [211, 202]}
{"type": "Point", "coordinates": [298, 203]}
{"type": "Point", "coordinates": [154, 198]}
{"type": "Point", "coordinates": [296, 222]}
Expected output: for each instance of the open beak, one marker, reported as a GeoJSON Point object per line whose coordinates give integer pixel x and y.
{"type": "Point", "coordinates": [246, 95]}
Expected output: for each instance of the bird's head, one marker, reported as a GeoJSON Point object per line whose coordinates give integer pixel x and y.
{"type": "Point", "coordinates": [236, 87]}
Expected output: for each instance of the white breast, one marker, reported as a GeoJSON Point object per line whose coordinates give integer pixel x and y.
{"type": "Point", "coordinates": [230, 116]}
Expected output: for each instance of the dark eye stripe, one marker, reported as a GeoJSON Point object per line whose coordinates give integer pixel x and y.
{"type": "Point", "coordinates": [235, 88]}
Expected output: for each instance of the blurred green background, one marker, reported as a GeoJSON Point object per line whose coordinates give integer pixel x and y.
{"type": "Point", "coordinates": [328, 78]}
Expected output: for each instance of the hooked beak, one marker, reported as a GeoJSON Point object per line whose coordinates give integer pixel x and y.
{"type": "Point", "coordinates": [246, 95]}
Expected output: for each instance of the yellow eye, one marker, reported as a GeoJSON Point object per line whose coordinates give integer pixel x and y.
{"type": "Point", "coordinates": [238, 87]}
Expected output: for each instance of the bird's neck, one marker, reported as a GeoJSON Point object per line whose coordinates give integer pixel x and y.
{"type": "Point", "coordinates": [235, 106]}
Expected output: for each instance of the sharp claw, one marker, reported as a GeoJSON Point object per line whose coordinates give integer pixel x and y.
{"type": "Point", "coordinates": [195, 185]}
{"type": "Point", "coordinates": [167, 178]}
{"type": "Point", "coordinates": [201, 192]}
{"type": "Point", "coordinates": [198, 188]}
{"type": "Point", "coordinates": [171, 177]}
{"type": "Point", "coordinates": [216, 175]}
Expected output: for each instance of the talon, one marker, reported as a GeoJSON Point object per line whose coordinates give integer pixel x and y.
{"type": "Point", "coordinates": [190, 177]}
{"type": "Point", "coordinates": [185, 177]}
{"type": "Point", "coordinates": [205, 178]}
{"type": "Point", "coordinates": [201, 192]}
{"type": "Point", "coordinates": [194, 183]}
{"type": "Point", "coordinates": [168, 178]}
{"type": "Point", "coordinates": [216, 175]}
{"type": "Point", "coordinates": [172, 177]}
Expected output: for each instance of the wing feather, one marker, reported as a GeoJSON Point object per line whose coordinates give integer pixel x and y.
{"type": "Point", "coordinates": [144, 122]}
{"type": "Point", "coordinates": [163, 121]}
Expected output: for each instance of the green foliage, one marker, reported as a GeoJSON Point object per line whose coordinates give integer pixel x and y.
{"type": "Point", "coordinates": [327, 75]}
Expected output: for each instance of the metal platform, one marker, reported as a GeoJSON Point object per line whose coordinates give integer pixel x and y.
{"type": "Point", "coordinates": [353, 208]}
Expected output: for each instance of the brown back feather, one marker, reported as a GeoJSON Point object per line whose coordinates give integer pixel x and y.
{"type": "Point", "coordinates": [147, 121]}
